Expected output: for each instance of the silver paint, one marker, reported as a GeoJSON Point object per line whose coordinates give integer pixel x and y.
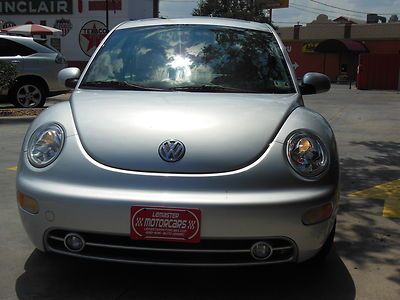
{"type": "Point", "coordinates": [244, 185]}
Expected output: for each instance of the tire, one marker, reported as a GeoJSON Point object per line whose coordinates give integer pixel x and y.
{"type": "Point", "coordinates": [28, 94]}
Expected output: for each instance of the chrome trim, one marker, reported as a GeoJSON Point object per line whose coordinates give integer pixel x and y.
{"type": "Point", "coordinates": [282, 248]}
{"type": "Point", "coordinates": [171, 150]}
{"type": "Point", "coordinates": [149, 260]}
{"type": "Point", "coordinates": [141, 262]}
{"type": "Point", "coordinates": [156, 249]}
{"type": "Point", "coordinates": [166, 249]}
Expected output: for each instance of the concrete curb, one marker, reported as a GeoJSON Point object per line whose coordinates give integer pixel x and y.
{"type": "Point", "coordinates": [27, 119]}
{"type": "Point", "coordinates": [20, 119]}
{"type": "Point", "coordinates": [59, 98]}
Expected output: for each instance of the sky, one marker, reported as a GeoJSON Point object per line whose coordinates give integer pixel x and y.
{"type": "Point", "coordinates": [303, 11]}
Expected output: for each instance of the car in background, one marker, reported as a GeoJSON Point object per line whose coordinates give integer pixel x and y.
{"type": "Point", "coordinates": [37, 65]}
{"type": "Point", "coordinates": [185, 142]}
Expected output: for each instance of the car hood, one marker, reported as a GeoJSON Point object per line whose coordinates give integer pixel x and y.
{"type": "Point", "coordinates": [221, 132]}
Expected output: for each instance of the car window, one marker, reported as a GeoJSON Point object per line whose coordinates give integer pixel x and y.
{"type": "Point", "coordinates": [192, 57]}
{"type": "Point", "coordinates": [42, 42]}
{"type": "Point", "coordinates": [11, 48]}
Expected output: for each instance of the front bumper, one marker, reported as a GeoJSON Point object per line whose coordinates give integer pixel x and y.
{"type": "Point", "coordinates": [102, 221]}
{"type": "Point", "coordinates": [237, 209]}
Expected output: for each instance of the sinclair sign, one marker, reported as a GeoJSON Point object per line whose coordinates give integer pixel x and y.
{"type": "Point", "coordinates": [36, 7]}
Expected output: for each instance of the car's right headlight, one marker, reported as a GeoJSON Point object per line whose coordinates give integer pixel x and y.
{"type": "Point", "coordinates": [45, 145]}
{"type": "Point", "coordinates": [307, 154]}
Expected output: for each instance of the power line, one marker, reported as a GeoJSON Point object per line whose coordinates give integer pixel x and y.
{"type": "Point", "coordinates": [311, 10]}
{"type": "Point", "coordinates": [320, 9]}
{"type": "Point", "coordinates": [307, 10]}
{"type": "Point", "coordinates": [349, 10]}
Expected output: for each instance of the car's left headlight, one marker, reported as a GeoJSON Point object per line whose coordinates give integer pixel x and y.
{"type": "Point", "coordinates": [307, 154]}
{"type": "Point", "coordinates": [45, 145]}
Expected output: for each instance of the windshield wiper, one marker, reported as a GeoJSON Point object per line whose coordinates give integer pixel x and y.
{"type": "Point", "coordinates": [123, 85]}
{"type": "Point", "coordinates": [209, 88]}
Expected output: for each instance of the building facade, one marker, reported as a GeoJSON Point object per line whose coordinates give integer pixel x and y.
{"type": "Point", "coordinates": [334, 47]}
{"type": "Point", "coordinates": [83, 22]}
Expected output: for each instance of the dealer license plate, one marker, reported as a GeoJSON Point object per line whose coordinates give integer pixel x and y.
{"type": "Point", "coordinates": [165, 224]}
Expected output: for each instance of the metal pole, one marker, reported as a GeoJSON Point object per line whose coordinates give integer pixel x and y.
{"type": "Point", "coordinates": [270, 16]}
{"type": "Point", "coordinates": [156, 8]}
{"type": "Point", "coordinates": [107, 15]}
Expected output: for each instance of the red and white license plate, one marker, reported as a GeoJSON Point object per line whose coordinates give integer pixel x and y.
{"type": "Point", "coordinates": [165, 224]}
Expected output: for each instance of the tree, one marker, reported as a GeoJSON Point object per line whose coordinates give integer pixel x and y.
{"type": "Point", "coordinates": [236, 9]}
{"type": "Point", "coordinates": [7, 74]}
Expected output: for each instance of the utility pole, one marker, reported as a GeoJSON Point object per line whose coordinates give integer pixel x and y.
{"type": "Point", "coordinates": [270, 16]}
{"type": "Point", "coordinates": [156, 9]}
{"type": "Point", "coordinates": [107, 15]}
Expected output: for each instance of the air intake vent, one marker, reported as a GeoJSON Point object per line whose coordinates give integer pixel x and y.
{"type": "Point", "coordinates": [208, 252]}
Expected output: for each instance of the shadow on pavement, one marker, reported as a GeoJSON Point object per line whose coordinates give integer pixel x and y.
{"type": "Point", "coordinates": [50, 276]}
{"type": "Point", "coordinates": [380, 163]}
{"type": "Point", "coordinates": [364, 237]}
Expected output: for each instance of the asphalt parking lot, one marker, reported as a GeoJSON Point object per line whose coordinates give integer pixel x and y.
{"type": "Point", "coordinates": [364, 265]}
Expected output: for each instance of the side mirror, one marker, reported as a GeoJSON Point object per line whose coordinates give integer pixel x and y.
{"type": "Point", "coordinates": [315, 83]}
{"type": "Point", "coordinates": [69, 77]}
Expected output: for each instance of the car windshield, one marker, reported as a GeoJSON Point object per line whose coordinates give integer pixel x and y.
{"type": "Point", "coordinates": [193, 58]}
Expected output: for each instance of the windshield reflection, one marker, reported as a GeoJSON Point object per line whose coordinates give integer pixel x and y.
{"type": "Point", "coordinates": [179, 69]}
{"type": "Point", "coordinates": [168, 57]}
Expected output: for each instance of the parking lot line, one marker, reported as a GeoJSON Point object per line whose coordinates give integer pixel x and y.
{"type": "Point", "coordinates": [389, 192]}
{"type": "Point", "coordinates": [14, 168]}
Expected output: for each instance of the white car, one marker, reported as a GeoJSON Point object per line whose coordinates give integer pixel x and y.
{"type": "Point", "coordinates": [37, 65]}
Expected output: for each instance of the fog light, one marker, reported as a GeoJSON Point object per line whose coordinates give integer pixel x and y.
{"type": "Point", "coordinates": [74, 242]}
{"type": "Point", "coordinates": [27, 203]}
{"type": "Point", "coordinates": [318, 214]}
{"type": "Point", "coordinates": [261, 251]}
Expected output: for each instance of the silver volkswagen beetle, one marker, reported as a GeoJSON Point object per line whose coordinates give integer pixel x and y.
{"type": "Point", "coordinates": [185, 142]}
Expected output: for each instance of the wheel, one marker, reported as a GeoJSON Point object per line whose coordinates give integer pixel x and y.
{"type": "Point", "coordinates": [28, 94]}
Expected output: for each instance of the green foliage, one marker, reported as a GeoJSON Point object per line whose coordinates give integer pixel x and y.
{"type": "Point", "coordinates": [236, 9]}
{"type": "Point", "coordinates": [7, 74]}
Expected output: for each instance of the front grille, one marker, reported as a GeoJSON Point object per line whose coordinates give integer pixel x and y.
{"type": "Point", "coordinates": [207, 252]}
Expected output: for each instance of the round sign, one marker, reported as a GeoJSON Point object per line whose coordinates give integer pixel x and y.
{"type": "Point", "coordinates": [91, 35]}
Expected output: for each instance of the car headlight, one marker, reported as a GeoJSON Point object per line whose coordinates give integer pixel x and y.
{"type": "Point", "coordinates": [45, 145]}
{"type": "Point", "coordinates": [307, 154]}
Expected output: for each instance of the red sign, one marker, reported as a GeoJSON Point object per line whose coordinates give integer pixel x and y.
{"type": "Point", "coordinates": [91, 35]}
{"type": "Point", "coordinates": [64, 25]}
{"type": "Point", "coordinates": [165, 224]}
{"type": "Point", "coordinates": [269, 4]}
{"type": "Point", "coordinates": [101, 5]}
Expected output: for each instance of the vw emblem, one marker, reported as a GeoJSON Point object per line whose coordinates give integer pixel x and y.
{"type": "Point", "coordinates": [171, 150]}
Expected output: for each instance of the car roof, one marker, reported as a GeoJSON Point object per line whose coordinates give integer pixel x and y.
{"type": "Point", "coordinates": [16, 37]}
{"type": "Point", "coordinates": [197, 21]}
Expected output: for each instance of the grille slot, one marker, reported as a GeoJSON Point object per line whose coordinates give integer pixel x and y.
{"type": "Point", "coordinates": [207, 252]}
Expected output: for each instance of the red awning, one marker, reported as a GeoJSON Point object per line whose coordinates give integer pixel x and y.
{"type": "Point", "coordinates": [333, 46]}
{"type": "Point", "coordinates": [31, 29]}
